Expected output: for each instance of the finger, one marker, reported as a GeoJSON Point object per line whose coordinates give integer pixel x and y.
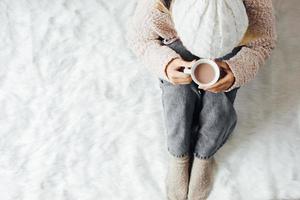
{"type": "Point", "coordinates": [222, 81]}
{"type": "Point", "coordinates": [183, 80]}
{"type": "Point", "coordinates": [219, 89]}
{"type": "Point", "coordinates": [178, 74]}
{"type": "Point", "coordinates": [222, 87]}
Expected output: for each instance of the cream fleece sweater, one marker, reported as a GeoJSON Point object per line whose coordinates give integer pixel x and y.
{"type": "Point", "coordinates": [149, 23]}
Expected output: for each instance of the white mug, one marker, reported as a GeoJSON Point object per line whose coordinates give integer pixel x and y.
{"type": "Point", "coordinates": [214, 66]}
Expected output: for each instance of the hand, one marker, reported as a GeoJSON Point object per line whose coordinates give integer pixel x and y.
{"type": "Point", "coordinates": [175, 75]}
{"type": "Point", "coordinates": [225, 82]}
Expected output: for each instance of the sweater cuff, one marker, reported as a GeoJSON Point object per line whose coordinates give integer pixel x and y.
{"type": "Point", "coordinates": [237, 73]}
{"type": "Point", "coordinates": [168, 58]}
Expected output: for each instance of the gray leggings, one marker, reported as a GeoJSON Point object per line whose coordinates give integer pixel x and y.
{"type": "Point", "coordinates": [196, 121]}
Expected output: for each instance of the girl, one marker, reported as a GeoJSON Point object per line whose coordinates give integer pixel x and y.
{"type": "Point", "coordinates": [199, 121]}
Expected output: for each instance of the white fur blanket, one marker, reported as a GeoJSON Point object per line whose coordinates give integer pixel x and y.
{"type": "Point", "coordinates": [74, 127]}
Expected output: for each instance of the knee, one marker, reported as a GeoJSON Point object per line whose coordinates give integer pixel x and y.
{"type": "Point", "coordinates": [231, 118]}
{"type": "Point", "coordinates": [212, 136]}
{"type": "Point", "coordinates": [218, 120]}
{"type": "Point", "coordinates": [205, 150]}
{"type": "Point", "coordinates": [178, 143]}
{"type": "Point", "coordinates": [226, 116]}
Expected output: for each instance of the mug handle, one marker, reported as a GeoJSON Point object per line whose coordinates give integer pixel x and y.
{"type": "Point", "coordinates": [187, 70]}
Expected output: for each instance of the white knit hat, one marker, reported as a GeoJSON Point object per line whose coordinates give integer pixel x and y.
{"type": "Point", "coordinates": [209, 28]}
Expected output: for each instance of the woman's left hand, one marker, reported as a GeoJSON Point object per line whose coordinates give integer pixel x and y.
{"type": "Point", "coordinates": [225, 82]}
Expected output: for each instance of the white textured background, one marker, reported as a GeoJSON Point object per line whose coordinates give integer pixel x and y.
{"type": "Point", "coordinates": [81, 119]}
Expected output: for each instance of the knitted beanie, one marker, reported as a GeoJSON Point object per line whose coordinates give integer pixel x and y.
{"type": "Point", "coordinates": [209, 28]}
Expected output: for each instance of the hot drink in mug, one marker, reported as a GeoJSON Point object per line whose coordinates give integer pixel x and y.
{"type": "Point", "coordinates": [204, 72]}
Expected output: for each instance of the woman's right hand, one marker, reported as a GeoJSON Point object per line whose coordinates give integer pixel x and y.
{"type": "Point", "coordinates": [175, 75]}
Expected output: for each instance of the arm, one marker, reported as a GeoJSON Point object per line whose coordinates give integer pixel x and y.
{"type": "Point", "coordinates": [144, 29]}
{"type": "Point", "coordinates": [262, 40]}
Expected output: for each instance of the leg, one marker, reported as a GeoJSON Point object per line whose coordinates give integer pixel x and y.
{"type": "Point", "coordinates": [218, 119]}
{"type": "Point", "coordinates": [201, 178]}
{"type": "Point", "coordinates": [177, 178]}
{"type": "Point", "coordinates": [178, 105]}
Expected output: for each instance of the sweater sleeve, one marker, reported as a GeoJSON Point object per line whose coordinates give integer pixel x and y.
{"type": "Point", "coordinates": [257, 50]}
{"type": "Point", "coordinates": [144, 39]}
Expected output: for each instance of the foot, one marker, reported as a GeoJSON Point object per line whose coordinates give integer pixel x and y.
{"type": "Point", "coordinates": [201, 179]}
{"type": "Point", "coordinates": [177, 178]}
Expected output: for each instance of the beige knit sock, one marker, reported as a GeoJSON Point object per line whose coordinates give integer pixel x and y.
{"type": "Point", "coordinates": [177, 178]}
{"type": "Point", "coordinates": [201, 179]}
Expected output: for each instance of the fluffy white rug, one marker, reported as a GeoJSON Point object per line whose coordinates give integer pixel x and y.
{"type": "Point", "coordinates": [80, 118]}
